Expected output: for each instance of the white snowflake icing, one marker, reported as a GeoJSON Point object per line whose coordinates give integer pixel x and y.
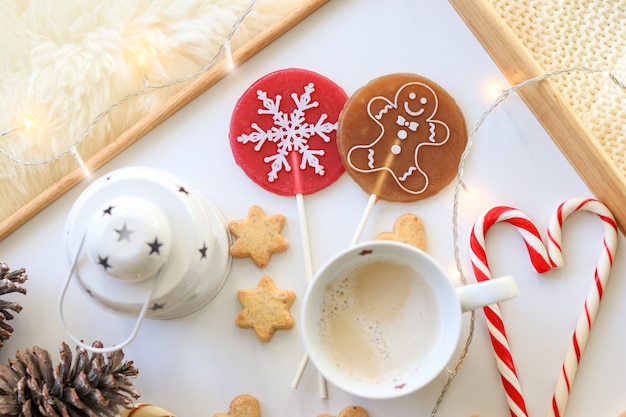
{"type": "Point", "coordinates": [290, 132]}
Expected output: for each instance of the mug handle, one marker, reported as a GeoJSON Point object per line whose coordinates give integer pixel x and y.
{"type": "Point", "coordinates": [140, 317]}
{"type": "Point", "coordinates": [483, 293]}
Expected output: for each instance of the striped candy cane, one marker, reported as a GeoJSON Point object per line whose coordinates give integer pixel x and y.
{"type": "Point", "coordinates": [594, 294]}
{"type": "Point", "coordinates": [495, 324]}
{"type": "Point", "coordinates": [543, 260]}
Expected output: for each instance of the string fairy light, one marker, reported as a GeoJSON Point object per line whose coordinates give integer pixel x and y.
{"type": "Point", "coordinates": [142, 59]}
{"type": "Point", "coordinates": [501, 98]}
{"type": "Point", "coordinates": [28, 122]}
{"type": "Point", "coordinates": [494, 89]}
{"type": "Point", "coordinates": [460, 185]}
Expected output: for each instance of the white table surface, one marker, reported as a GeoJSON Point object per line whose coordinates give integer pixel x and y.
{"type": "Point", "coordinates": [196, 365]}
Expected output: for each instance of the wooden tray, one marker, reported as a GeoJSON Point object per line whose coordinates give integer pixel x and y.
{"type": "Point", "coordinates": [519, 62]}
{"type": "Point", "coordinates": [192, 90]}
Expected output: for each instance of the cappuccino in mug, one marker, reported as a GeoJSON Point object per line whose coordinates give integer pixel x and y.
{"type": "Point", "coordinates": [379, 321]}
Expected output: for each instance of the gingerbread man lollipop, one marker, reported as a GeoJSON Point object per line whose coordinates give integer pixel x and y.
{"type": "Point", "coordinates": [401, 138]}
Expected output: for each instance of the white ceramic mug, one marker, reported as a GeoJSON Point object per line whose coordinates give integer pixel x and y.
{"type": "Point", "coordinates": [381, 319]}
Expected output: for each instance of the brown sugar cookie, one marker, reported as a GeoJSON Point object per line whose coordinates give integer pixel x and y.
{"type": "Point", "coordinates": [244, 405]}
{"type": "Point", "coordinates": [258, 236]}
{"type": "Point", "coordinates": [350, 411]}
{"type": "Point", "coordinates": [408, 229]}
{"type": "Point", "coordinates": [401, 137]}
{"type": "Point", "coordinates": [265, 309]}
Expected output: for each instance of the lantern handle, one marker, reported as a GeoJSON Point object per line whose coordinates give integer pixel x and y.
{"type": "Point", "coordinates": [140, 317]}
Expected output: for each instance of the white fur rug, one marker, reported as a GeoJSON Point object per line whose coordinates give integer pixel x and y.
{"type": "Point", "coordinates": [65, 62]}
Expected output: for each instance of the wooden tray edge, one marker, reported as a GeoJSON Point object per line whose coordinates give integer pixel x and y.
{"type": "Point", "coordinates": [577, 144]}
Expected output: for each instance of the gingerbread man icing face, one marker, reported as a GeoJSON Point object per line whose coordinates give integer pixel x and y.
{"type": "Point", "coordinates": [401, 137]}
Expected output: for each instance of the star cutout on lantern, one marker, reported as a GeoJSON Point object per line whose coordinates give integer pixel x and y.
{"type": "Point", "coordinates": [108, 210]}
{"type": "Point", "coordinates": [258, 236]}
{"type": "Point", "coordinates": [203, 250]}
{"type": "Point", "coordinates": [104, 262]}
{"type": "Point", "coordinates": [124, 233]}
{"type": "Point", "coordinates": [181, 189]}
{"type": "Point", "coordinates": [265, 309]}
{"type": "Point", "coordinates": [154, 246]}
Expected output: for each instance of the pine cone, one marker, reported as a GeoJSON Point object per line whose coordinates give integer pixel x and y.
{"type": "Point", "coordinates": [90, 387]}
{"type": "Point", "coordinates": [9, 282]}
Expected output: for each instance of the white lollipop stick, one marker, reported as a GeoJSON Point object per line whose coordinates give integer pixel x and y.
{"type": "Point", "coordinates": [308, 266]}
{"type": "Point", "coordinates": [305, 243]}
{"type": "Point", "coordinates": [364, 217]}
{"type": "Point", "coordinates": [304, 233]}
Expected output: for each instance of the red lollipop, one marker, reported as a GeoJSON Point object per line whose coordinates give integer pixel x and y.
{"type": "Point", "coordinates": [283, 135]}
{"type": "Point", "coordinates": [283, 132]}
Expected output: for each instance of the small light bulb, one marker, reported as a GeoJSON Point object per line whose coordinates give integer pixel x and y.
{"type": "Point", "coordinates": [467, 192]}
{"type": "Point", "coordinates": [28, 122]}
{"type": "Point", "coordinates": [229, 56]}
{"type": "Point", "coordinates": [494, 89]}
{"type": "Point", "coordinates": [455, 275]}
{"type": "Point", "coordinates": [80, 161]}
{"type": "Point", "coordinates": [142, 58]}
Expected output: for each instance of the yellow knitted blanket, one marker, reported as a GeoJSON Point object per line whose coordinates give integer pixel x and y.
{"type": "Point", "coordinates": [561, 34]}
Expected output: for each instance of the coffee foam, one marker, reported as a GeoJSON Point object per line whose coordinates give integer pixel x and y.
{"type": "Point", "coordinates": [379, 322]}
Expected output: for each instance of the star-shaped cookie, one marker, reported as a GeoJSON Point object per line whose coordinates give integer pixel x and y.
{"type": "Point", "coordinates": [258, 236]}
{"type": "Point", "coordinates": [265, 309]}
{"type": "Point", "coordinates": [408, 229]}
